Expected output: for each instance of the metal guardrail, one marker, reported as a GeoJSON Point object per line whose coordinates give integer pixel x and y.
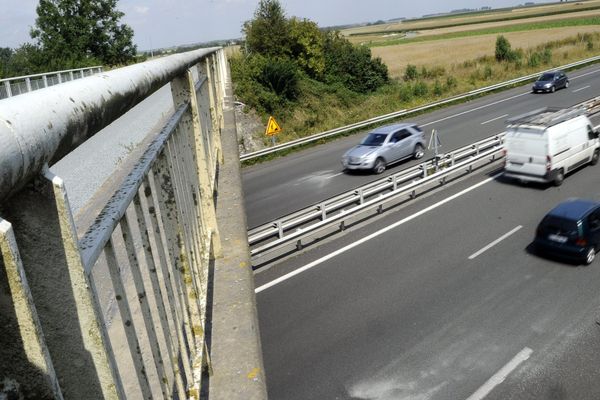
{"type": "Point", "coordinates": [335, 211]}
{"type": "Point", "coordinates": [402, 113]}
{"type": "Point", "coordinates": [22, 84]}
{"type": "Point", "coordinates": [149, 252]}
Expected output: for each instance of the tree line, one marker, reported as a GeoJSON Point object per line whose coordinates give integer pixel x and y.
{"type": "Point", "coordinates": [71, 34]}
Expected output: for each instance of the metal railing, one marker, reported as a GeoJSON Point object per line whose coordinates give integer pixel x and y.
{"type": "Point", "coordinates": [335, 212]}
{"type": "Point", "coordinates": [150, 251]}
{"type": "Point", "coordinates": [22, 84]}
{"type": "Point", "coordinates": [402, 113]}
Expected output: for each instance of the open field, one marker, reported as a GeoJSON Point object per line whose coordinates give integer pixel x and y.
{"type": "Point", "coordinates": [446, 53]}
{"type": "Point", "coordinates": [463, 20]}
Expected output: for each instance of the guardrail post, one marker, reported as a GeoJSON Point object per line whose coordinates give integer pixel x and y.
{"type": "Point", "coordinates": [323, 211]}
{"type": "Point", "coordinates": [279, 229]}
{"type": "Point", "coordinates": [18, 309]}
{"type": "Point", "coordinates": [28, 84]}
{"type": "Point", "coordinates": [71, 321]}
{"type": "Point", "coordinates": [8, 89]}
{"type": "Point", "coordinates": [83, 73]}
{"type": "Point", "coordinates": [45, 80]}
{"type": "Point", "coordinates": [59, 77]}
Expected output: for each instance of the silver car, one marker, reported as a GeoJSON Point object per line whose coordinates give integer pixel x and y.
{"type": "Point", "coordinates": [386, 145]}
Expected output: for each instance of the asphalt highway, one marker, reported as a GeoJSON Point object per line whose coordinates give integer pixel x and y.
{"type": "Point", "coordinates": [441, 299]}
{"type": "Point", "coordinates": [285, 185]}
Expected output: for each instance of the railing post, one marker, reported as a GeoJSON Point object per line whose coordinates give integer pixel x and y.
{"type": "Point", "coordinates": [28, 84]}
{"type": "Point", "coordinates": [207, 70]}
{"type": "Point", "coordinates": [40, 380]}
{"type": "Point", "coordinates": [45, 80]}
{"type": "Point", "coordinates": [8, 89]}
{"type": "Point", "coordinates": [183, 91]}
{"type": "Point", "coordinates": [71, 321]}
{"type": "Point", "coordinates": [59, 77]}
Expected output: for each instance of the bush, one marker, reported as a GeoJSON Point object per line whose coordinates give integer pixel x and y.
{"type": "Point", "coordinates": [487, 72]}
{"type": "Point", "coordinates": [451, 82]}
{"type": "Point", "coordinates": [406, 93]}
{"type": "Point", "coordinates": [437, 88]}
{"type": "Point", "coordinates": [411, 73]}
{"type": "Point", "coordinates": [503, 50]}
{"type": "Point", "coordinates": [420, 89]}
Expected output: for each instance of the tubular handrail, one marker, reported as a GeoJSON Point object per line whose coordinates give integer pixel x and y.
{"type": "Point", "coordinates": [401, 113]}
{"type": "Point", "coordinates": [67, 116]}
{"type": "Point", "coordinates": [16, 78]}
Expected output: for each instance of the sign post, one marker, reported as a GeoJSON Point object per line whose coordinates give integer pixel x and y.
{"type": "Point", "coordinates": [273, 129]}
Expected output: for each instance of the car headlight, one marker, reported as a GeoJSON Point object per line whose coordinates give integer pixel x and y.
{"type": "Point", "coordinates": [547, 85]}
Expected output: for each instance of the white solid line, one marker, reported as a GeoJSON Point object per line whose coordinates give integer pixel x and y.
{"type": "Point", "coordinates": [494, 119]}
{"type": "Point", "coordinates": [495, 242]}
{"type": "Point", "coordinates": [371, 236]}
{"type": "Point", "coordinates": [501, 375]}
{"type": "Point", "coordinates": [581, 88]}
{"type": "Point", "coordinates": [475, 109]}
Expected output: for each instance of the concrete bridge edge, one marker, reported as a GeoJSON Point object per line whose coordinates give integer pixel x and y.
{"type": "Point", "coordinates": [235, 348]}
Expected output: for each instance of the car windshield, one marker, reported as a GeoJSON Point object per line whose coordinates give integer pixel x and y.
{"type": "Point", "coordinates": [374, 139]}
{"type": "Point", "coordinates": [558, 225]}
{"type": "Point", "coordinates": [546, 77]}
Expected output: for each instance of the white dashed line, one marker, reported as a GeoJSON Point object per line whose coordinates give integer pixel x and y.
{"type": "Point", "coordinates": [495, 242]}
{"type": "Point", "coordinates": [501, 375]}
{"type": "Point", "coordinates": [494, 119]}
{"type": "Point", "coordinates": [581, 88]}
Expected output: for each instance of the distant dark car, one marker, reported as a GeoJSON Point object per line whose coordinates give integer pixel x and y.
{"type": "Point", "coordinates": [550, 82]}
{"type": "Point", "coordinates": [570, 230]}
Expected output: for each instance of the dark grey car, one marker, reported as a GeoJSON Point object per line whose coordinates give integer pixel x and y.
{"type": "Point", "coordinates": [386, 145]}
{"type": "Point", "coordinates": [550, 82]}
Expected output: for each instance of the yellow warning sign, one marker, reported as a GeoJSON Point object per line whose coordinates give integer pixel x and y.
{"type": "Point", "coordinates": [273, 127]}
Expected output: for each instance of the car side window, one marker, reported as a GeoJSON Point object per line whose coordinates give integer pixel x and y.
{"type": "Point", "coordinates": [591, 133]}
{"type": "Point", "coordinates": [400, 135]}
{"type": "Point", "coordinates": [594, 220]}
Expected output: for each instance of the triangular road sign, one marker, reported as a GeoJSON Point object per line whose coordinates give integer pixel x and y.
{"type": "Point", "coordinates": [273, 127]}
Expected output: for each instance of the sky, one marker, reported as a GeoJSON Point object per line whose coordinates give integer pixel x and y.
{"type": "Point", "coordinates": [166, 23]}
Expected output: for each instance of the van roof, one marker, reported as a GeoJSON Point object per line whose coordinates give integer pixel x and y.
{"type": "Point", "coordinates": [546, 117]}
{"type": "Point", "coordinates": [573, 209]}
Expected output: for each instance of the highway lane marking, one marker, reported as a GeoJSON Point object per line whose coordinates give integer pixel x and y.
{"type": "Point", "coordinates": [494, 119]}
{"type": "Point", "coordinates": [495, 242]}
{"type": "Point", "coordinates": [501, 375]}
{"type": "Point", "coordinates": [334, 175]}
{"type": "Point", "coordinates": [371, 236]}
{"type": "Point", "coordinates": [581, 88]}
{"type": "Point", "coordinates": [476, 109]}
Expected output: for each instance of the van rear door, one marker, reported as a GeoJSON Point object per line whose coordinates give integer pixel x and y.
{"type": "Point", "coordinates": [526, 152]}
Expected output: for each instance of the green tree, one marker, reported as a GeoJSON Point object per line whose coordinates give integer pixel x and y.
{"type": "Point", "coordinates": [5, 56]}
{"type": "Point", "coordinates": [75, 33]}
{"type": "Point", "coordinates": [268, 32]}
{"type": "Point", "coordinates": [503, 49]}
{"type": "Point", "coordinates": [353, 66]}
{"type": "Point", "coordinates": [306, 46]}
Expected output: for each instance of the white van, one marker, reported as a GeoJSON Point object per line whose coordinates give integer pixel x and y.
{"type": "Point", "coordinates": [546, 144]}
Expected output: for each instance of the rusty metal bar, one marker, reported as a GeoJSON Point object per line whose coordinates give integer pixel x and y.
{"type": "Point", "coordinates": [131, 332]}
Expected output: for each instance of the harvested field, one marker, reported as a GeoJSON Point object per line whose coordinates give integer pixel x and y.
{"type": "Point", "coordinates": [474, 18]}
{"type": "Point", "coordinates": [455, 51]}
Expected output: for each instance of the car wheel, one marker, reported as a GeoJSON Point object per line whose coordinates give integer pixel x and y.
{"type": "Point", "coordinates": [419, 152]}
{"type": "Point", "coordinates": [590, 255]}
{"type": "Point", "coordinates": [566, 84]}
{"type": "Point", "coordinates": [559, 178]}
{"type": "Point", "coordinates": [552, 89]}
{"type": "Point", "coordinates": [595, 157]}
{"type": "Point", "coordinates": [379, 166]}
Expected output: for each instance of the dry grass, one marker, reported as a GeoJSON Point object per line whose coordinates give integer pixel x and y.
{"type": "Point", "coordinates": [446, 53]}
{"type": "Point", "coordinates": [417, 25]}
